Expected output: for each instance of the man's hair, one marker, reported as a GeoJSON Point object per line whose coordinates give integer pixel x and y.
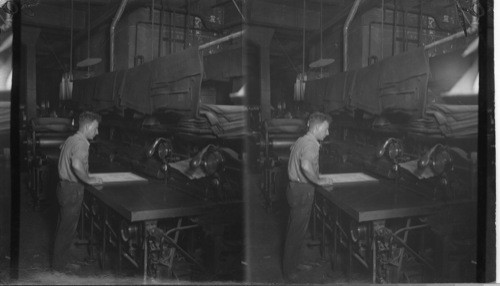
{"type": "Point", "coordinates": [317, 118]}
{"type": "Point", "coordinates": [88, 117]}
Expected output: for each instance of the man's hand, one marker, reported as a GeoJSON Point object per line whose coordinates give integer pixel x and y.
{"type": "Point", "coordinates": [324, 180]}
{"type": "Point", "coordinates": [95, 181]}
{"type": "Point", "coordinates": [98, 187]}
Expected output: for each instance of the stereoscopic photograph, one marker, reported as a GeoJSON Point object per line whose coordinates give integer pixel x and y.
{"type": "Point", "coordinates": [266, 142]}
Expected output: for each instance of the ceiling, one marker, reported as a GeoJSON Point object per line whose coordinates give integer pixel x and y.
{"type": "Point", "coordinates": [288, 38]}
{"type": "Point", "coordinates": [53, 17]}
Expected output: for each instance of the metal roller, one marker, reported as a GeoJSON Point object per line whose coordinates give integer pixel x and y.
{"type": "Point", "coordinates": [281, 143]}
{"type": "Point", "coordinates": [53, 135]}
{"type": "Point", "coordinates": [50, 142]}
{"type": "Point", "coordinates": [278, 143]}
{"type": "Point", "coordinates": [46, 140]}
{"type": "Point", "coordinates": [284, 136]}
{"type": "Point", "coordinates": [52, 154]}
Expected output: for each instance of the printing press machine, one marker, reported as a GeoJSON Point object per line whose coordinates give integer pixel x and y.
{"type": "Point", "coordinates": [188, 215]}
{"type": "Point", "coordinates": [43, 138]}
{"type": "Point", "coordinates": [414, 223]}
{"type": "Point", "coordinates": [273, 143]}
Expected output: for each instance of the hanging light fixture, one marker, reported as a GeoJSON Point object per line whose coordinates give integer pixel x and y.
{"type": "Point", "coordinates": [321, 62]}
{"type": "Point", "coordinates": [66, 85]}
{"type": "Point", "coordinates": [88, 62]}
{"type": "Point", "coordinates": [299, 87]}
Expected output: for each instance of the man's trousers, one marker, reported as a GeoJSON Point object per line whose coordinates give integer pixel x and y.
{"type": "Point", "coordinates": [300, 197]}
{"type": "Point", "coordinates": [70, 197]}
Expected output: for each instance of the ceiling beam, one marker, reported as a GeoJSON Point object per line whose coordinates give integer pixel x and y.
{"type": "Point", "coordinates": [55, 17]}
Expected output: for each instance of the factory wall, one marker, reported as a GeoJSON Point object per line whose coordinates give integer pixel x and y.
{"type": "Point", "coordinates": [368, 44]}
{"type": "Point", "coordinates": [137, 41]}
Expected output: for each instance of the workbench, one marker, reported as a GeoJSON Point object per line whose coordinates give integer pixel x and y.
{"type": "Point", "coordinates": [142, 201]}
{"type": "Point", "coordinates": [355, 216]}
{"type": "Point", "coordinates": [369, 202]}
{"type": "Point", "coordinates": [141, 206]}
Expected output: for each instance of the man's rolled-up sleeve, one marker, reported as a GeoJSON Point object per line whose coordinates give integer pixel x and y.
{"type": "Point", "coordinates": [310, 153]}
{"type": "Point", "coordinates": [80, 152]}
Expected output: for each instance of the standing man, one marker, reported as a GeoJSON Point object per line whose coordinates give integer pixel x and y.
{"type": "Point", "coordinates": [303, 172]}
{"type": "Point", "coordinates": [73, 170]}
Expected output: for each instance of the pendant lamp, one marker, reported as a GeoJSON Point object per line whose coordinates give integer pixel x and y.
{"type": "Point", "coordinates": [66, 85]}
{"type": "Point", "coordinates": [299, 87]}
{"type": "Point", "coordinates": [88, 61]}
{"type": "Point", "coordinates": [321, 62]}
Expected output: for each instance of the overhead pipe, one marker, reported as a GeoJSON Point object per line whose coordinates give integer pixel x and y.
{"type": "Point", "coordinates": [171, 32]}
{"type": "Point", "coordinates": [186, 24]}
{"type": "Point", "coordinates": [239, 11]}
{"type": "Point", "coordinates": [404, 31]}
{"type": "Point", "coordinates": [470, 30]}
{"type": "Point", "coordinates": [160, 33]}
{"type": "Point", "coordinates": [221, 40]}
{"type": "Point", "coordinates": [419, 34]}
{"type": "Point", "coordinates": [383, 32]}
{"type": "Point", "coordinates": [117, 17]}
{"type": "Point", "coordinates": [152, 27]}
{"type": "Point", "coordinates": [346, 29]}
{"type": "Point", "coordinates": [394, 15]}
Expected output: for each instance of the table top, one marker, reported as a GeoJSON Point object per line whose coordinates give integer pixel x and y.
{"type": "Point", "coordinates": [369, 202]}
{"type": "Point", "coordinates": [149, 201]}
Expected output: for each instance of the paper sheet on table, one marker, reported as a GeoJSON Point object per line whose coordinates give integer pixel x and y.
{"type": "Point", "coordinates": [118, 177]}
{"type": "Point", "coordinates": [185, 168]}
{"type": "Point", "coordinates": [346, 178]}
